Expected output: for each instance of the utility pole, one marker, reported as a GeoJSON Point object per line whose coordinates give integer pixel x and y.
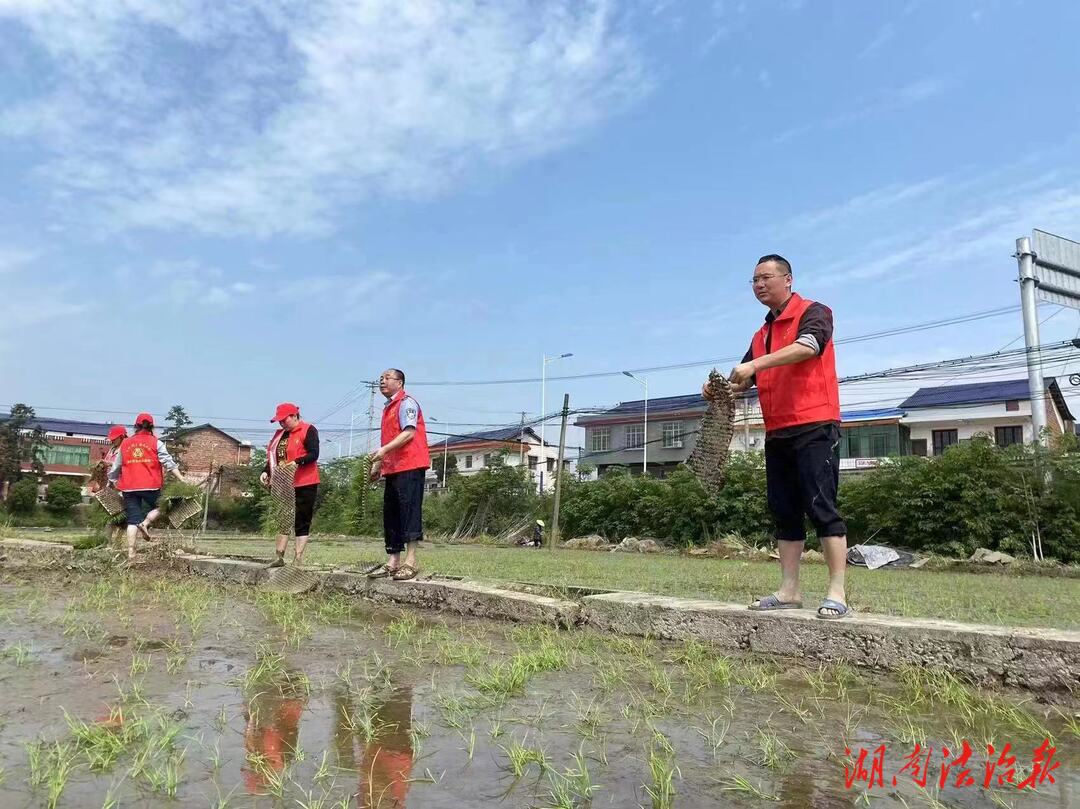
{"type": "Point", "coordinates": [521, 441]}
{"type": "Point", "coordinates": [370, 417]}
{"type": "Point", "coordinates": [209, 485]}
{"type": "Point", "coordinates": [1026, 260]}
{"type": "Point", "coordinates": [553, 538]}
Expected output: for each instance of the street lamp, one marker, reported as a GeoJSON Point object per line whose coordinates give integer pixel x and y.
{"type": "Point", "coordinates": [645, 436]}
{"type": "Point", "coordinates": [543, 409]}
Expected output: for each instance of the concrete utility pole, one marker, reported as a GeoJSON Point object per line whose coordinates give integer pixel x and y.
{"type": "Point", "coordinates": [371, 418]}
{"type": "Point", "coordinates": [1028, 284]}
{"type": "Point", "coordinates": [553, 538]}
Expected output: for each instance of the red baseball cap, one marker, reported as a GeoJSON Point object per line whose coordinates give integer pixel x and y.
{"type": "Point", "coordinates": [139, 419]}
{"type": "Point", "coordinates": [285, 409]}
{"type": "Point", "coordinates": [117, 431]}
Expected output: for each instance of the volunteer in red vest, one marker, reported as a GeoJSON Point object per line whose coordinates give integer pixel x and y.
{"type": "Point", "coordinates": [296, 442]}
{"type": "Point", "coordinates": [138, 471]}
{"type": "Point", "coordinates": [402, 461]}
{"type": "Point", "coordinates": [791, 361]}
{"type": "Point", "coordinates": [99, 476]}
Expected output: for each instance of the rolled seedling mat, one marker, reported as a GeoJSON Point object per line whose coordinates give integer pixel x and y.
{"type": "Point", "coordinates": [283, 499]}
{"type": "Point", "coordinates": [111, 500]}
{"type": "Point", "coordinates": [290, 579]}
{"type": "Point", "coordinates": [713, 445]}
{"type": "Point", "coordinates": [182, 509]}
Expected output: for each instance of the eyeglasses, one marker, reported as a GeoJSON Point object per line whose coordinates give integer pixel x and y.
{"type": "Point", "coordinates": [760, 279]}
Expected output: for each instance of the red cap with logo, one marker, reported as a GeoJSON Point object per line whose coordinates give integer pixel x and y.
{"type": "Point", "coordinates": [285, 409]}
{"type": "Point", "coordinates": [117, 431]}
{"type": "Point", "coordinates": [143, 417]}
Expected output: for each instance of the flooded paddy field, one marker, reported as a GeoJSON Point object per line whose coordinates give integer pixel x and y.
{"type": "Point", "coordinates": [131, 690]}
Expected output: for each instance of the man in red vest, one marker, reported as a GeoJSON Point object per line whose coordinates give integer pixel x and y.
{"type": "Point", "coordinates": [138, 471]}
{"type": "Point", "coordinates": [295, 446]}
{"type": "Point", "coordinates": [402, 461]}
{"type": "Point", "coordinates": [791, 360]}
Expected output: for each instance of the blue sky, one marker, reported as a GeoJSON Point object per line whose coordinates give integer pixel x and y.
{"type": "Point", "coordinates": [227, 205]}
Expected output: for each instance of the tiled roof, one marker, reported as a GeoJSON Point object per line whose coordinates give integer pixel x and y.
{"type": "Point", "coordinates": [67, 426]}
{"type": "Point", "coordinates": [501, 434]}
{"type": "Point", "coordinates": [973, 393]}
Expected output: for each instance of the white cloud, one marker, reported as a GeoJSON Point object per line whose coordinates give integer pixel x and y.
{"type": "Point", "coordinates": [14, 258]}
{"type": "Point", "coordinates": [269, 116]}
{"type": "Point", "coordinates": [886, 101]}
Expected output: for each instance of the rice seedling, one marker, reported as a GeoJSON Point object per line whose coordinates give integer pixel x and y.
{"type": "Point", "coordinates": [715, 734]}
{"type": "Point", "coordinates": [798, 711]}
{"type": "Point", "coordinates": [573, 788]}
{"type": "Point", "coordinates": [51, 765]}
{"type": "Point", "coordinates": [221, 721]}
{"type": "Point", "coordinates": [756, 677]}
{"type": "Point", "coordinates": [738, 783]}
{"type": "Point", "coordinates": [774, 752]}
{"type": "Point", "coordinates": [20, 653]}
{"type": "Point", "coordinates": [101, 744]}
{"type": "Point", "coordinates": [470, 743]}
{"type": "Point", "coordinates": [660, 681]}
{"type": "Point", "coordinates": [453, 710]}
{"type": "Point", "coordinates": [519, 758]}
{"type": "Point", "coordinates": [662, 772]}
{"type": "Point", "coordinates": [140, 664]}
{"type": "Point", "coordinates": [589, 718]}
{"type": "Point", "coordinates": [164, 777]}
{"type": "Point", "coordinates": [323, 772]}
{"type": "Point", "coordinates": [402, 628]}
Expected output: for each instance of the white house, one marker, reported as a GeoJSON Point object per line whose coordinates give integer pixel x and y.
{"type": "Point", "coordinates": [519, 446]}
{"type": "Point", "coordinates": [942, 416]}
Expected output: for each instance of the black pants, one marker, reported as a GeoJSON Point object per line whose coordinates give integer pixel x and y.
{"type": "Point", "coordinates": [802, 474]}
{"type": "Point", "coordinates": [403, 509]}
{"type": "Point", "coordinates": [305, 508]}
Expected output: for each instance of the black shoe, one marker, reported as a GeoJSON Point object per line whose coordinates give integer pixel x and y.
{"type": "Point", "coordinates": [278, 562]}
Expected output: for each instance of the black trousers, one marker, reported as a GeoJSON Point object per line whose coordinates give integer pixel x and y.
{"type": "Point", "coordinates": [305, 508]}
{"type": "Point", "coordinates": [802, 473]}
{"type": "Point", "coordinates": [403, 509]}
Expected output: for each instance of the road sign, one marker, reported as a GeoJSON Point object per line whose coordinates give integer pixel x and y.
{"type": "Point", "coordinates": [1056, 269]}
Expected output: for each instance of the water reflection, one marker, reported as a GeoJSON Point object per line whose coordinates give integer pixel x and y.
{"type": "Point", "coordinates": [271, 732]}
{"type": "Point", "coordinates": [373, 736]}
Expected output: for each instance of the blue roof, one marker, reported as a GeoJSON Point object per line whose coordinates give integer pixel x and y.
{"type": "Point", "coordinates": [871, 415]}
{"type": "Point", "coordinates": [502, 434]}
{"type": "Point", "coordinates": [665, 404]}
{"type": "Point", "coordinates": [973, 393]}
{"type": "Point", "coordinates": [68, 426]}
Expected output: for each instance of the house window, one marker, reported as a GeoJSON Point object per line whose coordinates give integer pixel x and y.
{"type": "Point", "coordinates": [672, 435]}
{"type": "Point", "coordinates": [879, 446]}
{"type": "Point", "coordinates": [853, 444]}
{"type": "Point", "coordinates": [63, 455]}
{"type": "Point", "coordinates": [600, 439]}
{"type": "Point", "coordinates": [635, 436]}
{"type": "Point", "coordinates": [918, 447]}
{"type": "Point", "coordinates": [943, 439]}
{"type": "Point", "coordinates": [550, 464]}
{"type": "Point", "coordinates": [1007, 436]}
{"type": "Point", "coordinates": [533, 461]}
{"type": "Point", "coordinates": [468, 461]}
{"type": "Point", "coordinates": [1013, 405]}
{"type": "Point", "coordinates": [487, 459]}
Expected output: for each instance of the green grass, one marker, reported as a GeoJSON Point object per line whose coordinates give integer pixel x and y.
{"type": "Point", "coordinates": [993, 598]}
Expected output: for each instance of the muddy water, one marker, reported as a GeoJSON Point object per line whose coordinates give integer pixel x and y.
{"type": "Point", "coordinates": [229, 697]}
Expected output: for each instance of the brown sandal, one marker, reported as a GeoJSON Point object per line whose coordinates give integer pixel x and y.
{"type": "Point", "coordinates": [381, 572]}
{"type": "Point", "coordinates": [404, 573]}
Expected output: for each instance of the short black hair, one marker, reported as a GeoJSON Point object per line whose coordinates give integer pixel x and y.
{"type": "Point", "coordinates": [777, 259]}
{"type": "Point", "coordinates": [401, 375]}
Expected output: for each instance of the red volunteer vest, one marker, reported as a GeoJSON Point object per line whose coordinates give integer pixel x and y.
{"type": "Point", "coordinates": [802, 393]}
{"type": "Point", "coordinates": [306, 475]}
{"type": "Point", "coordinates": [413, 455]}
{"type": "Point", "coordinates": [140, 469]}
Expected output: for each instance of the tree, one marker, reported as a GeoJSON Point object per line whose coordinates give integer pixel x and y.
{"type": "Point", "coordinates": [61, 496]}
{"type": "Point", "coordinates": [20, 441]}
{"type": "Point", "coordinates": [437, 467]}
{"type": "Point", "coordinates": [173, 437]}
{"type": "Point", "coordinates": [22, 496]}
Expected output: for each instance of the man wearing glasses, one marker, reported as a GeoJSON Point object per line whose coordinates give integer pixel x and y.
{"type": "Point", "coordinates": [792, 363]}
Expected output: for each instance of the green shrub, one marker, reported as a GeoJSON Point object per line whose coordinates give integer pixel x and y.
{"type": "Point", "coordinates": [22, 497]}
{"type": "Point", "coordinates": [61, 497]}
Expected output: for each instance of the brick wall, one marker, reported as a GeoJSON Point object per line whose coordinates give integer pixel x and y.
{"type": "Point", "coordinates": [208, 449]}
